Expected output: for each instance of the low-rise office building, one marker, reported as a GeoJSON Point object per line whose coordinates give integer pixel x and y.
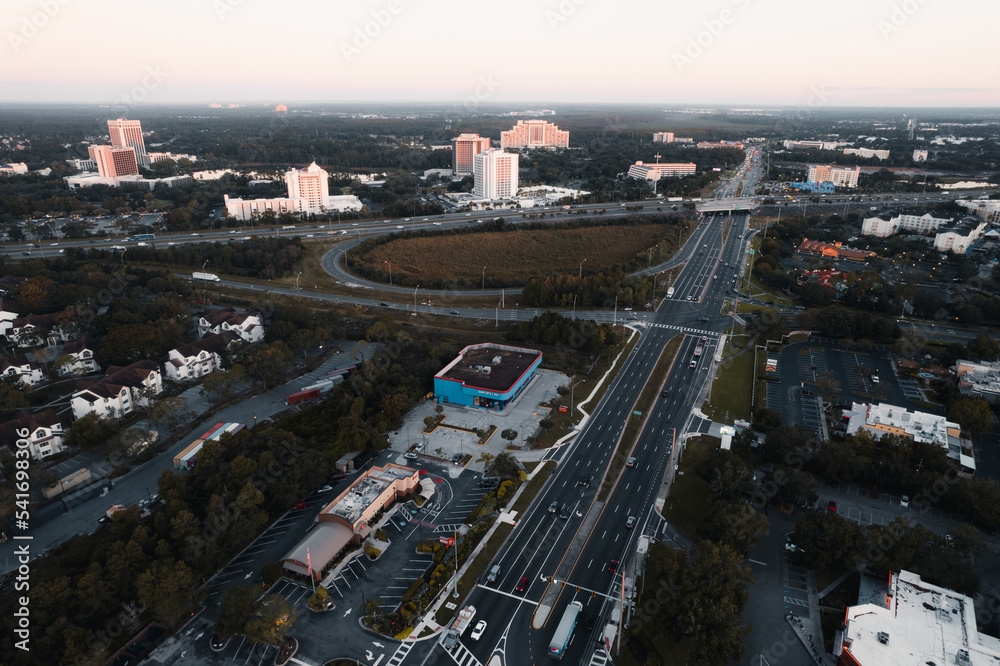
{"type": "Point", "coordinates": [487, 376]}
{"type": "Point", "coordinates": [915, 622]}
{"type": "Point", "coordinates": [981, 380]}
{"type": "Point", "coordinates": [347, 519]}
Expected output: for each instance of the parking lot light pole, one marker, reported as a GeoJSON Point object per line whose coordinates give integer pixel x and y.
{"type": "Point", "coordinates": [454, 594]}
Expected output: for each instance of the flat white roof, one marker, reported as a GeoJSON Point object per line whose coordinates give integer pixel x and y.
{"type": "Point", "coordinates": [918, 623]}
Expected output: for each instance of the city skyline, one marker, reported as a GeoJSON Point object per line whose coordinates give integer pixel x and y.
{"type": "Point", "coordinates": [726, 52]}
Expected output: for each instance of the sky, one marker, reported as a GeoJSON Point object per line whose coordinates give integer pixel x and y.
{"type": "Point", "coordinates": [897, 53]}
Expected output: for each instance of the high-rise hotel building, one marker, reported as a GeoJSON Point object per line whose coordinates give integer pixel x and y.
{"type": "Point", "coordinates": [495, 175]}
{"type": "Point", "coordinates": [464, 148]}
{"type": "Point", "coordinates": [114, 162]}
{"type": "Point", "coordinates": [128, 133]}
{"type": "Point", "coordinates": [534, 134]}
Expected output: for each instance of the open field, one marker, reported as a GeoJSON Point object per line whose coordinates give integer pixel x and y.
{"type": "Point", "coordinates": [512, 257]}
{"type": "Point", "coordinates": [730, 396]}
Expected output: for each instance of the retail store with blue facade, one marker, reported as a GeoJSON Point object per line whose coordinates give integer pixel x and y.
{"type": "Point", "coordinates": [486, 376]}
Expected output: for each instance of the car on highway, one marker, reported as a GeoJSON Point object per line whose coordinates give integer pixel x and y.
{"type": "Point", "coordinates": [693, 364]}
{"type": "Point", "coordinates": [831, 506]}
{"type": "Point", "coordinates": [630, 523]}
{"type": "Point", "coordinates": [564, 511]}
{"type": "Point", "coordinates": [665, 394]}
{"type": "Point", "coordinates": [554, 507]}
{"type": "Point", "coordinates": [630, 462]}
{"type": "Point", "coordinates": [468, 214]}
{"type": "Point", "coordinates": [613, 566]}
{"type": "Point", "coordinates": [437, 224]}
{"type": "Point", "coordinates": [454, 312]}
{"type": "Point", "coordinates": [522, 584]}
{"type": "Point", "coordinates": [584, 481]}
{"type": "Point", "coordinates": [702, 318]}
{"type": "Point", "coordinates": [384, 305]}
{"type": "Point", "coordinates": [590, 621]}
{"type": "Point", "coordinates": [400, 226]}
{"type": "Point", "coordinates": [478, 630]}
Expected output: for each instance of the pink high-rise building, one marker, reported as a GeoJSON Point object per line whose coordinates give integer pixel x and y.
{"type": "Point", "coordinates": [113, 162]}
{"type": "Point", "coordinates": [464, 148]}
{"type": "Point", "coordinates": [534, 134]}
{"type": "Point", "coordinates": [128, 133]}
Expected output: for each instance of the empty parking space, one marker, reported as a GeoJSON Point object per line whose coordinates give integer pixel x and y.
{"type": "Point", "coordinates": [775, 397]}
{"type": "Point", "coordinates": [909, 388]}
{"type": "Point", "coordinates": [812, 364]}
{"type": "Point", "coordinates": [795, 590]}
{"type": "Point", "coordinates": [813, 418]}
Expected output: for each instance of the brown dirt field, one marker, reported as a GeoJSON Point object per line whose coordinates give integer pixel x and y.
{"type": "Point", "coordinates": [513, 257]}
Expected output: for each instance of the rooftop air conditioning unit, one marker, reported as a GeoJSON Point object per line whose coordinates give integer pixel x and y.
{"type": "Point", "coordinates": [883, 638]}
{"type": "Point", "coordinates": [486, 370]}
{"type": "Point", "coordinates": [497, 359]}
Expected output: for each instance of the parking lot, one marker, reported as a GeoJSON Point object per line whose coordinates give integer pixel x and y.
{"type": "Point", "coordinates": [444, 443]}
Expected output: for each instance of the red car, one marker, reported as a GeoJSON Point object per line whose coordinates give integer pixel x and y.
{"type": "Point", "coordinates": [831, 506]}
{"type": "Point", "coordinates": [522, 584]}
{"type": "Point", "coordinates": [300, 505]}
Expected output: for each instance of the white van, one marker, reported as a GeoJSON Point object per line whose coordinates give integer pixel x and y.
{"type": "Point", "coordinates": [494, 574]}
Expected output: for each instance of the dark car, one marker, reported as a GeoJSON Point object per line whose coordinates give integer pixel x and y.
{"type": "Point", "coordinates": [385, 305]}
{"type": "Point", "coordinates": [630, 523]}
{"type": "Point", "coordinates": [564, 511]}
{"type": "Point", "coordinates": [665, 394]}
{"type": "Point", "coordinates": [454, 312]}
{"type": "Point", "coordinates": [219, 641]}
{"type": "Point", "coordinates": [553, 507]}
{"type": "Point", "coordinates": [584, 481]}
{"type": "Point", "coordinates": [613, 566]}
{"type": "Point", "coordinates": [589, 622]}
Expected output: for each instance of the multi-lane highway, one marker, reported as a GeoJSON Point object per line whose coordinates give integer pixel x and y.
{"type": "Point", "coordinates": [580, 549]}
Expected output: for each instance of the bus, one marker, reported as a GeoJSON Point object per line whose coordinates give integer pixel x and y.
{"type": "Point", "coordinates": [564, 632]}
{"type": "Point", "coordinates": [142, 237]}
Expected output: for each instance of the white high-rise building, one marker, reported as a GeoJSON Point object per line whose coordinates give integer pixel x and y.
{"type": "Point", "coordinates": [128, 133]}
{"type": "Point", "coordinates": [309, 188]}
{"type": "Point", "coordinates": [663, 137]}
{"type": "Point", "coordinates": [495, 174]}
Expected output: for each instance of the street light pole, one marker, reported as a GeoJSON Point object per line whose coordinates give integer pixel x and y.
{"type": "Point", "coordinates": [415, 297]}
{"type": "Point", "coordinates": [390, 271]}
{"type": "Point", "coordinates": [484, 278]}
{"type": "Point", "coordinates": [580, 275]}
{"type": "Point", "coordinates": [203, 266]}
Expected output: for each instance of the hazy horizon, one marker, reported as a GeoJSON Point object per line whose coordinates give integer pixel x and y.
{"type": "Point", "coordinates": [883, 54]}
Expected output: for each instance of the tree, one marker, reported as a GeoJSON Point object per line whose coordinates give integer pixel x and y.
{"type": "Point", "coordinates": [505, 464]}
{"type": "Point", "coordinates": [829, 542]}
{"type": "Point", "coordinates": [766, 419]}
{"type": "Point", "coordinates": [238, 605]}
{"type": "Point", "coordinates": [984, 348]}
{"type": "Point", "coordinates": [222, 383]}
{"type": "Point", "coordinates": [169, 411]}
{"type": "Point", "coordinates": [967, 541]}
{"type": "Point", "coordinates": [91, 430]}
{"type": "Point", "coordinates": [973, 414]}
{"type": "Point", "coordinates": [273, 618]}
{"type": "Point", "coordinates": [487, 460]}
{"type": "Point", "coordinates": [733, 523]}
{"type": "Point", "coordinates": [509, 434]}
{"type": "Point", "coordinates": [169, 589]}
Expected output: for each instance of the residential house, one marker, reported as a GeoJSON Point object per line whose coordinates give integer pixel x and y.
{"type": "Point", "coordinates": [244, 324]}
{"type": "Point", "coordinates": [196, 359]}
{"type": "Point", "coordinates": [119, 391]}
{"type": "Point", "coordinates": [44, 433]}
{"type": "Point", "coordinates": [8, 313]}
{"type": "Point", "coordinates": [19, 366]}
{"type": "Point", "coordinates": [82, 355]}
{"type": "Point", "coordinates": [41, 330]}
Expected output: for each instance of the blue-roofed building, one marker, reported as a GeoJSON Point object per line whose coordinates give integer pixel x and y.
{"type": "Point", "coordinates": [487, 376]}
